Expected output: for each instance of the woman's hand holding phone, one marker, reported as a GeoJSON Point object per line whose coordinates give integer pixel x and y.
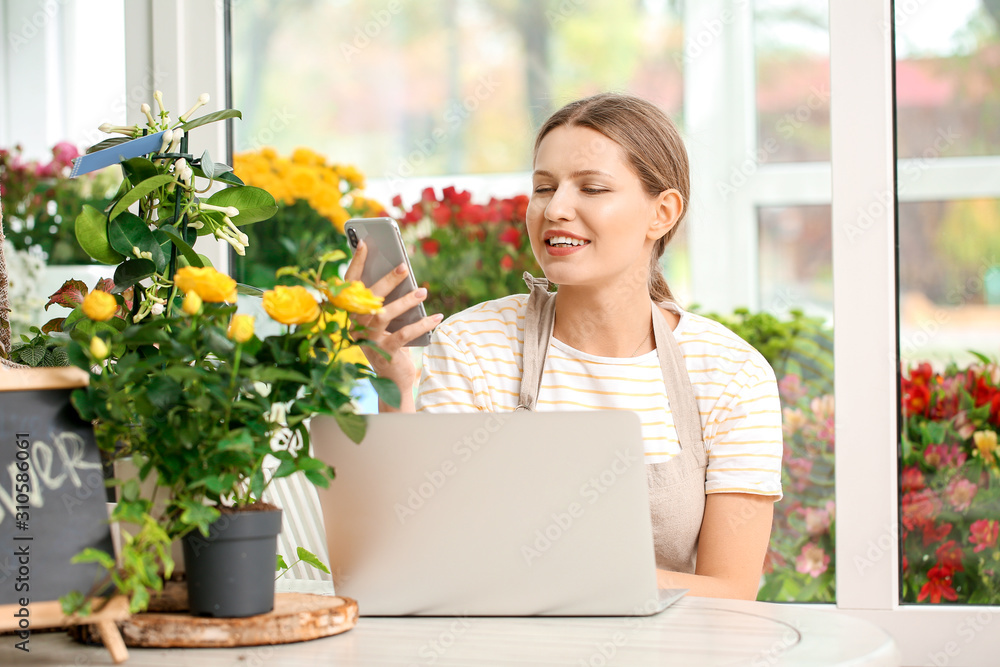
{"type": "Point", "coordinates": [399, 366]}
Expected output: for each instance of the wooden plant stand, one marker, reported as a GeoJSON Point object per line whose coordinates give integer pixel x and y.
{"type": "Point", "coordinates": [296, 617]}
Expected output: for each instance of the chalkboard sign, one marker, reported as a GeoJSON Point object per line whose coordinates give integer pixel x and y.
{"type": "Point", "coordinates": [52, 494]}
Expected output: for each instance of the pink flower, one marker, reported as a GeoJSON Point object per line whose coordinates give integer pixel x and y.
{"type": "Point", "coordinates": [983, 534]}
{"type": "Point", "coordinates": [793, 420]}
{"type": "Point", "coordinates": [64, 153]}
{"type": "Point", "coordinates": [791, 388]}
{"type": "Point", "coordinates": [817, 521]}
{"type": "Point", "coordinates": [812, 560]}
{"type": "Point", "coordinates": [822, 407]}
{"type": "Point", "coordinates": [799, 470]}
{"type": "Point", "coordinates": [919, 507]}
{"type": "Point", "coordinates": [960, 493]}
{"type": "Point", "coordinates": [940, 456]}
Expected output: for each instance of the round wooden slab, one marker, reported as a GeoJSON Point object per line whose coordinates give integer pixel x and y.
{"type": "Point", "coordinates": [296, 617]}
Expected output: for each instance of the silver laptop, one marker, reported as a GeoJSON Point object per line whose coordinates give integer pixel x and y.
{"type": "Point", "coordinates": [491, 514]}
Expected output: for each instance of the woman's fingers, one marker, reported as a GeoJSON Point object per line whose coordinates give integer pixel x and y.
{"type": "Point", "coordinates": [413, 331]}
{"type": "Point", "coordinates": [389, 281]}
{"type": "Point", "coordinates": [357, 264]}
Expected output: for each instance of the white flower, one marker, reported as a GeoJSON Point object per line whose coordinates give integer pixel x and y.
{"type": "Point", "coordinates": [261, 389]}
{"type": "Point", "coordinates": [202, 101]}
{"type": "Point", "coordinates": [156, 309]}
{"type": "Point", "coordinates": [276, 414]}
{"type": "Point", "coordinates": [144, 108]}
{"type": "Point", "coordinates": [158, 96]}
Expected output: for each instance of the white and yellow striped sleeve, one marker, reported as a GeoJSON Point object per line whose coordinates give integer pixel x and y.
{"type": "Point", "coordinates": [744, 437]}
{"type": "Point", "coordinates": [451, 380]}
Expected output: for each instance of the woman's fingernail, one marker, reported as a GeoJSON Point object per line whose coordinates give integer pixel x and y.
{"type": "Point", "coordinates": [437, 317]}
{"type": "Point", "coordinates": [421, 293]}
{"type": "Point", "coordinates": [401, 270]}
{"type": "Point", "coordinates": [361, 244]}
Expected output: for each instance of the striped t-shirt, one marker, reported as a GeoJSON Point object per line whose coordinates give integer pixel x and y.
{"type": "Point", "coordinates": [474, 363]}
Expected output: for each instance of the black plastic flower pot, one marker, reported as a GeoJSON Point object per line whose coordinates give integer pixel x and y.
{"type": "Point", "coordinates": [230, 573]}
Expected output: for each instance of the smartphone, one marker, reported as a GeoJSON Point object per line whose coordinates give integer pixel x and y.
{"type": "Point", "coordinates": [385, 252]}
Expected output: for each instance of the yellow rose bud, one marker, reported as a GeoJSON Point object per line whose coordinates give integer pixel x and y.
{"type": "Point", "coordinates": [240, 328]}
{"type": "Point", "coordinates": [99, 306]}
{"type": "Point", "coordinates": [291, 305]}
{"type": "Point", "coordinates": [356, 298]}
{"type": "Point", "coordinates": [192, 303]}
{"type": "Point", "coordinates": [99, 349]}
{"type": "Point", "coordinates": [207, 283]}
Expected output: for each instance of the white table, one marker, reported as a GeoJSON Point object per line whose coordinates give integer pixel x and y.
{"type": "Point", "coordinates": [695, 632]}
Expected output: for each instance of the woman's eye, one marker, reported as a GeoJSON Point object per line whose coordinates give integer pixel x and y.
{"type": "Point", "coordinates": [542, 189]}
{"type": "Point", "coordinates": [593, 191]}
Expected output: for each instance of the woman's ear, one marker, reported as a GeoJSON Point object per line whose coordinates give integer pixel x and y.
{"type": "Point", "coordinates": [668, 207]}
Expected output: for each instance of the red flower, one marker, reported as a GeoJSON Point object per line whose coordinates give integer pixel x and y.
{"type": "Point", "coordinates": [912, 479]}
{"type": "Point", "coordinates": [397, 201]}
{"type": "Point", "coordinates": [521, 207]}
{"type": "Point", "coordinates": [470, 214]}
{"type": "Point", "coordinates": [949, 555]}
{"type": "Point", "coordinates": [983, 534]}
{"type": "Point", "coordinates": [428, 195]}
{"type": "Point", "coordinates": [938, 585]}
{"type": "Point", "coordinates": [511, 235]}
{"type": "Point", "coordinates": [448, 194]}
{"type": "Point", "coordinates": [984, 393]}
{"type": "Point", "coordinates": [430, 247]}
{"type": "Point", "coordinates": [934, 533]}
{"type": "Point", "coordinates": [507, 263]}
{"type": "Point", "coordinates": [917, 390]}
{"type": "Point", "coordinates": [441, 214]}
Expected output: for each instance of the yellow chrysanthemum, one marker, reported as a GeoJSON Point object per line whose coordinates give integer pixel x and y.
{"type": "Point", "coordinates": [291, 305]}
{"type": "Point", "coordinates": [99, 306]}
{"type": "Point", "coordinates": [351, 174]}
{"type": "Point", "coordinates": [207, 283]}
{"type": "Point", "coordinates": [302, 181]}
{"type": "Point", "coordinates": [307, 156]}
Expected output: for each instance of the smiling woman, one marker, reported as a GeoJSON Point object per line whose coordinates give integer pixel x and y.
{"type": "Point", "coordinates": [610, 186]}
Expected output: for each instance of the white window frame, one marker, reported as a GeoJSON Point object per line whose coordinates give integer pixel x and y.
{"type": "Point", "coordinates": [865, 296]}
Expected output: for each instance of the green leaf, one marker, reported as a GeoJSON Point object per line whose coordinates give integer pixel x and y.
{"type": "Point", "coordinates": [223, 173]}
{"type": "Point", "coordinates": [107, 143]}
{"type": "Point", "coordinates": [138, 192]}
{"type": "Point", "coordinates": [249, 290]}
{"type": "Point", "coordinates": [91, 229]}
{"type": "Point", "coordinates": [129, 231]}
{"type": "Point", "coordinates": [211, 118]}
{"type": "Point", "coordinates": [32, 355]}
{"type": "Point", "coordinates": [353, 426]}
{"type": "Point", "coordinates": [193, 258]}
{"type": "Point", "coordinates": [129, 273]}
{"type": "Point", "coordinates": [253, 203]}
{"type": "Point", "coordinates": [207, 166]}
{"type": "Point", "coordinates": [387, 390]}
{"type": "Point", "coordinates": [74, 602]}
{"type": "Point", "coordinates": [92, 555]}
{"type": "Point", "coordinates": [307, 556]}
{"type": "Point", "coordinates": [138, 169]}
{"type": "Point", "coordinates": [163, 391]}
{"type": "Point", "coordinates": [281, 564]}
{"type": "Point", "coordinates": [274, 374]}
{"type": "Point", "coordinates": [982, 357]}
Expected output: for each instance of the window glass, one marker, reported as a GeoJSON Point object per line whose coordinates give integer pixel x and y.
{"type": "Point", "coordinates": [949, 305]}
{"type": "Point", "coordinates": [792, 48]}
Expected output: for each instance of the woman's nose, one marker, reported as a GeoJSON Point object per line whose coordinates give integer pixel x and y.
{"type": "Point", "coordinates": [560, 206]}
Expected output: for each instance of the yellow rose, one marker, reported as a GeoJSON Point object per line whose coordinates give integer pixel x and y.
{"type": "Point", "coordinates": [302, 181]}
{"type": "Point", "coordinates": [986, 443]}
{"type": "Point", "coordinates": [352, 354]}
{"type": "Point", "coordinates": [99, 306]}
{"type": "Point", "coordinates": [99, 348]}
{"type": "Point", "coordinates": [207, 283]}
{"type": "Point", "coordinates": [240, 328]}
{"type": "Point", "coordinates": [191, 304]}
{"type": "Point", "coordinates": [291, 305]}
{"type": "Point", "coordinates": [356, 298]}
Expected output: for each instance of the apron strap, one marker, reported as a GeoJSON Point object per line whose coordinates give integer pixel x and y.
{"type": "Point", "coordinates": [538, 324]}
{"type": "Point", "coordinates": [680, 391]}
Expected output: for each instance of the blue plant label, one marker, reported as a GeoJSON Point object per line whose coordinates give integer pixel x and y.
{"type": "Point", "coordinates": [105, 158]}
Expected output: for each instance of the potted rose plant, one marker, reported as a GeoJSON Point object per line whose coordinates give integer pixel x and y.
{"type": "Point", "coordinates": [181, 383]}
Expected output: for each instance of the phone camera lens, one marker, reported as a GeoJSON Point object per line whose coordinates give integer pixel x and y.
{"type": "Point", "coordinates": [352, 237]}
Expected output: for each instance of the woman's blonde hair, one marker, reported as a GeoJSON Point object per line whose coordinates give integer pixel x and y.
{"type": "Point", "coordinates": [653, 147]}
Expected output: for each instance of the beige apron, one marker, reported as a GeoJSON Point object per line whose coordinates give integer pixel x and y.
{"type": "Point", "coordinates": [676, 487]}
